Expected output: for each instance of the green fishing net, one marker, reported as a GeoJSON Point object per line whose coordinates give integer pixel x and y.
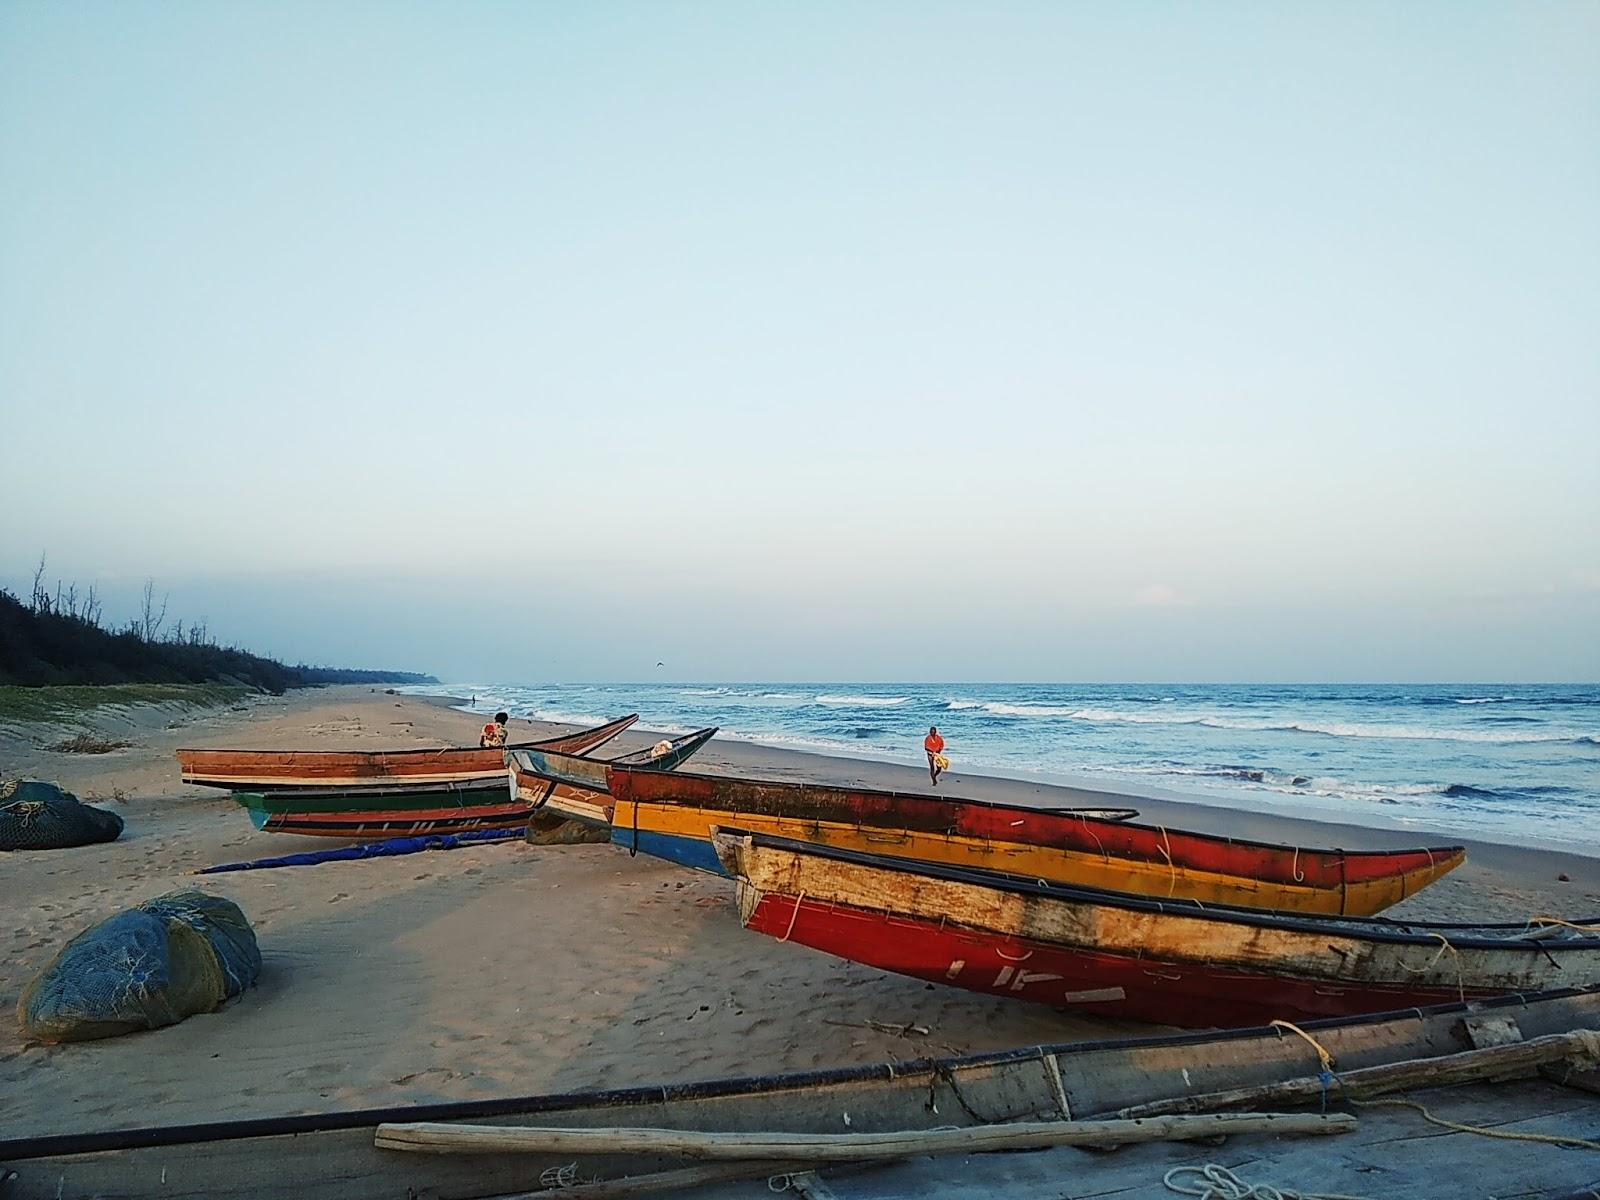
{"type": "Point", "coordinates": [169, 958]}
{"type": "Point", "coordinates": [40, 816]}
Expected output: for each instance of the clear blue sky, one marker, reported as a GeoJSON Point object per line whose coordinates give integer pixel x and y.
{"type": "Point", "coordinates": [853, 341]}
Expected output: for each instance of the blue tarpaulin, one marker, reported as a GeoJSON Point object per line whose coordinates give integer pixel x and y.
{"type": "Point", "coordinates": [384, 849]}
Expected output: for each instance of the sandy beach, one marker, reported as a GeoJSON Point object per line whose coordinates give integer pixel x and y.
{"type": "Point", "coordinates": [510, 969]}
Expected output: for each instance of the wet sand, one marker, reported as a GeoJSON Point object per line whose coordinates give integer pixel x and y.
{"type": "Point", "coordinates": [510, 969]}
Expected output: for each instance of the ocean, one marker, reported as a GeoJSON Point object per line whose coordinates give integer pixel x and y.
{"type": "Point", "coordinates": [1511, 763]}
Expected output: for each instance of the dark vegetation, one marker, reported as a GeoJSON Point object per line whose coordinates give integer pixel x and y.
{"type": "Point", "coordinates": [57, 638]}
{"type": "Point", "coordinates": [89, 743]}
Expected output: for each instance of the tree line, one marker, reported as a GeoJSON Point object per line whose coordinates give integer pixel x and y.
{"type": "Point", "coordinates": [59, 636]}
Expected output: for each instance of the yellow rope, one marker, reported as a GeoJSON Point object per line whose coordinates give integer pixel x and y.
{"type": "Point", "coordinates": [1322, 1051]}
{"type": "Point", "coordinates": [1551, 1139]}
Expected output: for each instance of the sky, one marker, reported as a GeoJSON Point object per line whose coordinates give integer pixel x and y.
{"type": "Point", "coordinates": [882, 341]}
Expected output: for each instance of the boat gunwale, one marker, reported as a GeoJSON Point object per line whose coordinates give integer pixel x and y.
{"type": "Point", "coordinates": [1375, 928]}
{"type": "Point", "coordinates": [631, 719]}
{"type": "Point", "coordinates": [704, 735]}
{"type": "Point", "coordinates": [490, 783]}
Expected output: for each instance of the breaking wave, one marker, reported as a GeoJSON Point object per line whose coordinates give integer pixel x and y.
{"type": "Point", "coordinates": [1014, 710]}
{"type": "Point", "coordinates": [864, 701]}
{"type": "Point", "coordinates": [1265, 778]}
{"type": "Point", "coordinates": [1268, 725]}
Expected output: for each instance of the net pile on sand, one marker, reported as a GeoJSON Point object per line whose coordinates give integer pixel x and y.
{"type": "Point", "coordinates": [169, 958]}
{"type": "Point", "coordinates": [40, 816]}
{"type": "Point", "coordinates": [547, 829]}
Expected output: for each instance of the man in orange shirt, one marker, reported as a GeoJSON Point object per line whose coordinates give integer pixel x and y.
{"type": "Point", "coordinates": [934, 745]}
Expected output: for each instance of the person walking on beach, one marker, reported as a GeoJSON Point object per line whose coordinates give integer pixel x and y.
{"type": "Point", "coordinates": [937, 762]}
{"type": "Point", "coordinates": [494, 734]}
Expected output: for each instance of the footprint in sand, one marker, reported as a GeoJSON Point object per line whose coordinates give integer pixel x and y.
{"type": "Point", "coordinates": [443, 1074]}
{"type": "Point", "coordinates": [338, 896]}
{"type": "Point", "coordinates": [316, 1071]}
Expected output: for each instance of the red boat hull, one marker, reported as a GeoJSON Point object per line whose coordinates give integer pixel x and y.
{"type": "Point", "coordinates": [1086, 981]}
{"type": "Point", "coordinates": [1061, 846]}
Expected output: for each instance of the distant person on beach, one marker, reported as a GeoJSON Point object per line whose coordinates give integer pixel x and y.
{"type": "Point", "coordinates": [494, 734]}
{"type": "Point", "coordinates": [937, 762]}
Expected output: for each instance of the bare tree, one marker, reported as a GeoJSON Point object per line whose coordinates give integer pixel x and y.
{"type": "Point", "coordinates": [91, 606]}
{"type": "Point", "coordinates": [40, 599]}
{"type": "Point", "coordinates": [151, 621]}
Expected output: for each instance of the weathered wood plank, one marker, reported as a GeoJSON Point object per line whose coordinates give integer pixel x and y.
{"type": "Point", "coordinates": [434, 1138]}
{"type": "Point", "coordinates": [1371, 1162]}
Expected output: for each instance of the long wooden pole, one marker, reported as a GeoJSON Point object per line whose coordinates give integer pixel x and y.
{"type": "Point", "coordinates": [1511, 1060]}
{"type": "Point", "coordinates": [434, 1138]}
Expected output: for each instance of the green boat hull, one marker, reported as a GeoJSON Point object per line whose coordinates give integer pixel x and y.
{"type": "Point", "coordinates": [386, 812]}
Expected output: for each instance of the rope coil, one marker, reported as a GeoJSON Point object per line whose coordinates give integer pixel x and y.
{"type": "Point", "coordinates": [1218, 1183]}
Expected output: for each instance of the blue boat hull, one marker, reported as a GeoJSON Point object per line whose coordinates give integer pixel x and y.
{"type": "Point", "coordinates": [685, 851]}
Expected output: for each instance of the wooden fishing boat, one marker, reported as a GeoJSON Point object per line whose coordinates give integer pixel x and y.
{"type": "Point", "coordinates": [572, 786]}
{"type": "Point", "coordinates": [376, 812]}
{"type": "Point", "coordinates": [1171, 962]}
{"type": "Point", "coordinates": [335, 1155]}
{"type": "Point", "coordinates": [279, 769]}
{"type": "Point", "coordinates": [671, 816]}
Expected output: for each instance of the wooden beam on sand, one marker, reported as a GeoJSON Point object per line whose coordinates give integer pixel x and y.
{"type": "Point", "coordinates": [431, 1138]}
{"type": "Point", "coordinates": [1581, 1047]}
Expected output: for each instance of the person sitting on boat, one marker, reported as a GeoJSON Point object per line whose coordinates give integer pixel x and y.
{"type": "Point", "coordinates": [494, 734]}
{"type": "Point", "coordinates": [937, 762]}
